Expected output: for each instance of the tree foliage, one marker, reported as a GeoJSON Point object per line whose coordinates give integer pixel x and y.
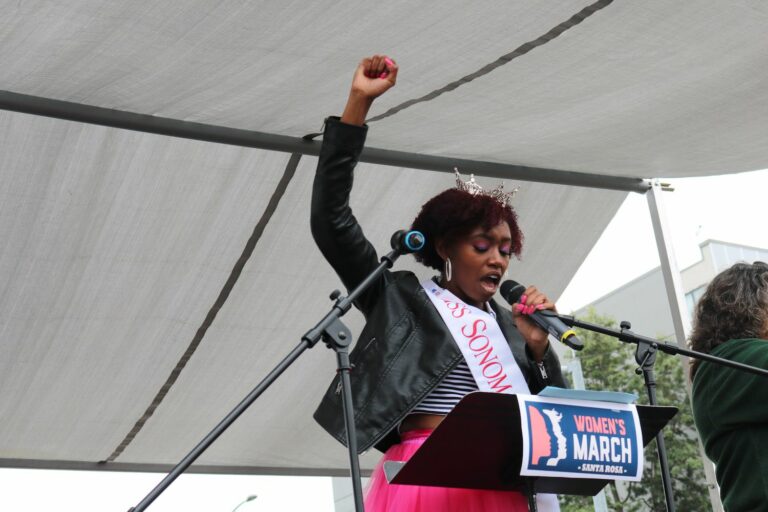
{"type": "Point", "coordinates": [608, 364]}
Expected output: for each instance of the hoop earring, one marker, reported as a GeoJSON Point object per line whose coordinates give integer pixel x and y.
{"type": "Point", "coordinates": [447, 269]}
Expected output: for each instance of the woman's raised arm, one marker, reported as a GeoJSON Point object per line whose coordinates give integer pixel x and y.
{"type": "Point", "coordinates": [334, 228]}
{"type": "Point", "coordinates": [373, 77]}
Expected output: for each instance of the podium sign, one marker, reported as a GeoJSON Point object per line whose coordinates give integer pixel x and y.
{"type": "Point", "coordinates": [580, 439]}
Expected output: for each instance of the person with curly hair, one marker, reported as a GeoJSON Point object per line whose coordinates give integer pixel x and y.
{"type": "Point", "coordinates": [414, 360]}
{"type": "Point", "coordinates": [731, 322]}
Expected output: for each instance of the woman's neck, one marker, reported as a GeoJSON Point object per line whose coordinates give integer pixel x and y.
{"type": "Point", "coordinates": [451, 287]}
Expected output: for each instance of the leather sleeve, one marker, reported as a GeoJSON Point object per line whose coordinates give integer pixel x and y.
{"type": "Point", "coordinates": [334, 228]}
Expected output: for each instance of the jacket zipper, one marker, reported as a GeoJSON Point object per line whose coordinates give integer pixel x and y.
{"type": "Point", "coordinates": [542, 370]}
{"type": "Point", "coordinates": [371, 341]}
{"type": "Point", "coordinates": [338, 386]}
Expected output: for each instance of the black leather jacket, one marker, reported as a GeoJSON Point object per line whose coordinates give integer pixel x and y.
{"type": "Point", "coordinates": [405, 348]}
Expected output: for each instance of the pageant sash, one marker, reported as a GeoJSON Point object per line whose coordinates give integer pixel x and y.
{"type": "Point", "coordinates": [483, 345]}
{"type": "Point", "coordinates": [487, 353]}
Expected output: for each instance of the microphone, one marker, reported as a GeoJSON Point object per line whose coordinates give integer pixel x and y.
{"type": "Point", "coordinates": [544, 318]}
{"type": "Point", "coordinates": [405, 242]}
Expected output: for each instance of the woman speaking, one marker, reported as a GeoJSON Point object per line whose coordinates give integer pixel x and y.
{"type": "Point", "coordinates": [410, 362]}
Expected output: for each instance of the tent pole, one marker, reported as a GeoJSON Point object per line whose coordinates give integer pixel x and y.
{"type": "Point", "coordinates": [90, 114]}
{"type": "Point", "coordinates": [680, 317]}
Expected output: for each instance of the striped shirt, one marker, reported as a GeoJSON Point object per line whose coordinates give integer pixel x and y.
{"type": "Point", "coordinates": [448, 392]}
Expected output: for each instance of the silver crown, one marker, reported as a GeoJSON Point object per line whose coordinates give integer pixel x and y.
{"type": "Point", "coordinates": [471, 186]}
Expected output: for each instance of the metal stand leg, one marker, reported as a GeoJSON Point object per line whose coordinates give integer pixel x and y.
{"type": "Point", "coordinates": [530, 491]}
{"type": "Point", "coordinates": [338, 337]}
{"type": "Point", "coordinates": [645, 356]}
{"type": "Point", "coordinates": [342, 357]}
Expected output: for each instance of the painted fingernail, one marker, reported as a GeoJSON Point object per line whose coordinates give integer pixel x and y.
{"type": "Point", "coordinates": [389, 61]}
{"type": "Point", "coordinates": [540, 306]}
{"type": "Point", "coordinates": [523, 299]}
{"type": "Point", "coordinates": [384, 74]}
{"type": "Point", "coordinates": [530, 309]}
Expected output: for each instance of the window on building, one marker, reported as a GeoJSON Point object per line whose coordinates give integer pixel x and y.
{"type": "Point", "coordinates": [692, 297]}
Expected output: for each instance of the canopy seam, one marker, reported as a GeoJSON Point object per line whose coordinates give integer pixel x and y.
{"type": "Point", "coordinates": [504, 59]}
{"type": "Point", "coordinates": [234, 275]}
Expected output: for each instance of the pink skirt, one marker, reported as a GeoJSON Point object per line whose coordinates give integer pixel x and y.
{"type": "Point", "coordinates": [383, 497]}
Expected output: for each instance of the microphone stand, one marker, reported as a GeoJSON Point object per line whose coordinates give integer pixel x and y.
{"type": "Point", "coordinates": [336, 336]}
{"type": "Point", "coordinates": [645, 355]}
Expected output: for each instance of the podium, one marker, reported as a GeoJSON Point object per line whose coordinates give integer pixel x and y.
{"type": "Point", "coordinates": [479, 445]}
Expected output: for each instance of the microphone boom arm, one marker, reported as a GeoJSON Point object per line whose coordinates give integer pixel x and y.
{"type": "Point", "coordinates": [627, 336]}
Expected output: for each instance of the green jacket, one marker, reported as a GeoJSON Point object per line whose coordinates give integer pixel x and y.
{"type": "Point", "coordinates": [731, 414]}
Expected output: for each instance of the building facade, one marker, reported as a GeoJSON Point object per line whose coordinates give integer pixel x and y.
{"type": "Point", "coordinates": [643, 301]}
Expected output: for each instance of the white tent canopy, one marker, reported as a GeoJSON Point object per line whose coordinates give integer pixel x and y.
{"type": "Point", "coordinates": [150, 281]}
